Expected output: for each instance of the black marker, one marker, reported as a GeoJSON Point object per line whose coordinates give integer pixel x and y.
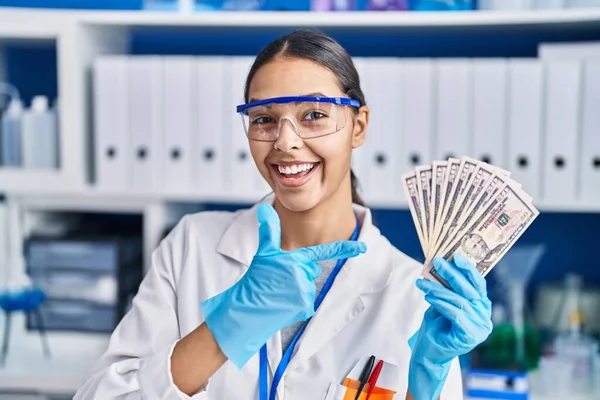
{"type": "Point", "coordinates": [364, 376]}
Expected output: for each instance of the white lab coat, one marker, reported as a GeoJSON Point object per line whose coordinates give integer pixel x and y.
{"type": "Point", "coordinates": [372, 308]}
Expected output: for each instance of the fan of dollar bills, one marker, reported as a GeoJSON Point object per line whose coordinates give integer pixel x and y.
{"type": "Point", "coordinates": [466, 206]}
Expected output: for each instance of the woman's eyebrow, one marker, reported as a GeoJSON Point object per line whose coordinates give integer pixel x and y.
{"type": "Point", "coordinates": [313, 94]}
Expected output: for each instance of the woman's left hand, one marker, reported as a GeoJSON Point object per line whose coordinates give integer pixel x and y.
{"type": "Point", "coordinates": [456, 322]}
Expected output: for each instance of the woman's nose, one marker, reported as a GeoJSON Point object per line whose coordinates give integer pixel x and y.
{"type": "Point", "coordinates": [288, 139]}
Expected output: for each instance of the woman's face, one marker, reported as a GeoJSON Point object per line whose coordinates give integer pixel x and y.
{"type": "Point", "coordinates": [328, 155]}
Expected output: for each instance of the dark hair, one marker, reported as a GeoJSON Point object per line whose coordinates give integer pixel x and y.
{"type": "Point", "coordinates": [315, 46]}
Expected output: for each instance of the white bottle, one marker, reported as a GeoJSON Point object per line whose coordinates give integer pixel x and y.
{"type": "Point", "coordinates": [186, 6]}
{"type": "Point", "coordinates": [40, 135]}
{"type": "Point", "coordinates": [12, 135]}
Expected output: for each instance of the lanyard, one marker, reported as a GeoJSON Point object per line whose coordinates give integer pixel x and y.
{"type": "Point", "coordinates": [285, 359]}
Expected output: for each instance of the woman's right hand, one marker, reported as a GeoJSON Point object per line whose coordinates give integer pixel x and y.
{"type": "Point", "coordinates": [277, 290]}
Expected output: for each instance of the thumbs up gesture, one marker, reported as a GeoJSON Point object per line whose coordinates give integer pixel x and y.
{"type": "Point", "coordinates": [277, 290]}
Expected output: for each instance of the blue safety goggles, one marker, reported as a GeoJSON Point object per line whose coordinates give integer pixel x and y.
{"type": "Point", "coordinates": [309, 116]}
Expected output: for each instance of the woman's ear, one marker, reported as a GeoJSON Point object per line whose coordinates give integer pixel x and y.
{"type": "Point", "coordinates": [361, 121]}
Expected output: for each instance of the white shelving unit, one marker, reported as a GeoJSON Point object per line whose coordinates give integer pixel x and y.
{"type": "Point", "coordinates": [342, 19]}
{"type": "Point", "coordinates": [76, 46]}
{"type": "Point", "coordinates": [73, 354]}
{"type": "Point", "coordinates": [79, 37]}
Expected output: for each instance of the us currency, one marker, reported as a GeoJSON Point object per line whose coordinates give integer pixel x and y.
{"type": "Point", "coordinates": [479, 207]}
{"type": "Point", "coordinates": [449, 229]}
{"type": "Point", "coordinates": [438, 174]}
{"type": "Point", "coordinates": [480, 181]}
{"type": "Point", "coordinates": [465, 171]}
{"type": "Point", "coordinates": [489, 237]}
{"type": "Point", "coordinates": [449, 179]}
{"type": "Point", "coordinates": [424, 190]}
{"type": "Point", "coordinates": [409, 181]}
{"type": "Point", "coordinates": [480, 177]}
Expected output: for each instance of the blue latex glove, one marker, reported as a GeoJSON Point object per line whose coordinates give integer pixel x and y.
{"type": "Point", "coordinates": [456, 322]}
{"type": "Point", "coordinates": [277, 290]}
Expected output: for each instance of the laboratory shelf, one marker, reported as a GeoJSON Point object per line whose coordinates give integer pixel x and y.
{"type": "Point", "coordinates": [82, 36]}
{"type": "Point", "coordinates": [19, 31]}
{"type": "Point", "coordinates": [345, 19]}
{"type": "Point", "coordinates": [15, 179]}
{"type": "Point", "coordinates": [27, 370]}
{"type": "Point", "coordinates": [291, 18]}
{"type": "Point", "coordinates": [91, 198]}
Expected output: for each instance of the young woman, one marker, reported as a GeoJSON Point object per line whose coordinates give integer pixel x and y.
{"type": "Point", "coordinates": [227, 310]}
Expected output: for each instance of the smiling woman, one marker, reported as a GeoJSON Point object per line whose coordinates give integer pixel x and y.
{"type": "Point", "coordinates": [315, 64]}
{"type": "Point", "coordinates": [319, 130]}
{"type": "Point", "coordinates": [287, 298]}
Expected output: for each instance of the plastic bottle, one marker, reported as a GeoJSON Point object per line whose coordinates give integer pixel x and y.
{"type": "Point", "coordinates": [321, 5]}
{"type": "Point", "coordinates": [550, 4]}
{"type": "Point", "coordinates": [160, 5]}
{"type": "Point", "coordinates": [344, 5]}
{"type": "Point", "coordinates": [185, 6]}
{"type": "Point", "coordinates": [387, 5]}
{"type": "Point", "coordinates": [12, 134]}
{"type": "Point", "coordinates": [40, 136]}
{"type": "Point", "coordinates": [506, 4]}
{"type": "Point", "coordinates": [441, 5]}
{"type": "Point", "coordinates": [582, 4]}
{"type": "Point", "coordinates": [242, 5]}
{"type": "Point", "coordinates": [573, 346]}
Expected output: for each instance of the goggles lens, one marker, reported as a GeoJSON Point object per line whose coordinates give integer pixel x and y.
{"type": "Point", "coordinates": [309, 119]}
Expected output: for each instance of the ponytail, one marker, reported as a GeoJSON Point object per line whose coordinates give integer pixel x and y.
{"type": "Point", "coordinates": [355, 185]}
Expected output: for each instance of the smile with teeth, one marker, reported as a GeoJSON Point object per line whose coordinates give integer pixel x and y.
{"type": "Point", "coordinates": [295, 169]}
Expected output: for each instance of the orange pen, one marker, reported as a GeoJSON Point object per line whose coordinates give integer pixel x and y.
{"type": "Point", "coordinates": [373, 378]}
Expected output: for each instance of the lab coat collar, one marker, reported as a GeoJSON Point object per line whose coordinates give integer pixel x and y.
{"type": "Point", "coordinates": [366, 273]}
{"type": "Point", "coordinates": [240, 242]}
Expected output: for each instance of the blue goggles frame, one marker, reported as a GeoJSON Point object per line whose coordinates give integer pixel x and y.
{"type": "Point", "coordinates": [343, 101]}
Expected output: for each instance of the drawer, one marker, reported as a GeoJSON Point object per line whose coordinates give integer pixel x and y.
{"type": "Point", "coordinates": [72, 254]}
{"type": "Point", "coordinates": [74, 316]}
{"type": "Point", "coordinates": [69, 284]}
{"type": "Point", "coordinates": [98, 254]}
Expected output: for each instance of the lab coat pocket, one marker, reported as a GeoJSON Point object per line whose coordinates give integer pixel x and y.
{"type": "Point", "coordinates": [349, 389]}
{"type": "Point", "coordinates": [336, 392]}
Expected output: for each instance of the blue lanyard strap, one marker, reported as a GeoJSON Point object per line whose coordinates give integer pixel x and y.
{"type": "Point", "coordinates": [285, 359]}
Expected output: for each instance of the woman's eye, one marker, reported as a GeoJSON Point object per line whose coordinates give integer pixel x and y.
{"type": "Point", "coordinates": [315, 115]}
{"type": "Point", "coordinates": [262, 120]}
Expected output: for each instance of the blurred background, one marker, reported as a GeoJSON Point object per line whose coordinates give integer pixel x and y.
{"type": "Point", "coordinates": [117, 118]}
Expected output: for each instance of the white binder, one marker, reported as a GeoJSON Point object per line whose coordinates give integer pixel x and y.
{"type": "Point", "coordinates": [505, 4]}
{"type": "Point", "coordinates": [242, 173]}
{"type": "Point", "coordinates": [525, 115]}
{"type": "Point", "coordinates": [381, 85]}
{"type": "Point", "coordinates": [454, 107]}
{"type": "Point", "coordinates": [179, 86]}
{"type": "Point", "coordinates": [145, 104]}
{"type": "Point", "coordinates": [551, 4]}
{"type": "Point", "coordinates": [489, 110]}
{"type": "Point", "coordinates": [111, 126]}
{"type": "Point", "coordinates": [359, 156]}
{"type": "Point", "coordinates": [417, 106]}
{"type": "Point", "coordinates": [211, 134]}
{"type": "Point", "coordinates": [569, 50]}
{"type": "Point", "coordinates": [590, 133]}
{"type": "Point", "coordinates": [563, 83]}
